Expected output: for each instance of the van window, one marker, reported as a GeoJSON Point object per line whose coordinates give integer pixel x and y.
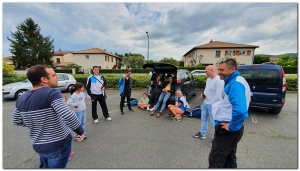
{"type": "Point", "coordinates": [261, 76]}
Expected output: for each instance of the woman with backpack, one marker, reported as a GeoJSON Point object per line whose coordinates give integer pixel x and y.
{"type": "Point", "coordinates": [125, 83]}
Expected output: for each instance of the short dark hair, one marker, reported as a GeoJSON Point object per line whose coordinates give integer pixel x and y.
{"type": "Point", "coordinates": [36, 72]}
{"type": "Point", "coordinates": [229, 62]}
{"type": "Point", "coordinates": [99, 67]}
{"type": "Point", "coordinates": [127, 70]}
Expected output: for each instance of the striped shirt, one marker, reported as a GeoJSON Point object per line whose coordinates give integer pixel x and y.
{"type": "Point", "coordinates": [48, 118]}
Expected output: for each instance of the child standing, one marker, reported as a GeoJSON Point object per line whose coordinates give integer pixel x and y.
{"type": "Point", "coordinates": [77, 101]}
{"type": "Point", "coordinates": [144, 102]}
{"type": "Point", "coordinates": [72, 152]}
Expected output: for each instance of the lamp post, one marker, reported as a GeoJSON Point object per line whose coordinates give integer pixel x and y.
{"type": "Point", "coordinates": [148, 47]}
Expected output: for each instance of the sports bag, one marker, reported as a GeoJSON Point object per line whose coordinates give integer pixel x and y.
{"type": "Point", "coordinates": [133, 102]}
{"type": "Point", "coordinates": [194, 112]}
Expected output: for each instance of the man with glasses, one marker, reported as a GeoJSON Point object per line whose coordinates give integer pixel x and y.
{"type": "Point", "coordinates": [229, 114]}
{"type": "Point", "coordinates": [212, 93]}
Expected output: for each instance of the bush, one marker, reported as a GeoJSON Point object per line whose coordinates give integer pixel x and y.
{"type": "Point", "coordinates": [193, 68]}
{"type": "Point", "coordinates": [7, 70]}
{"type": "Point", "coordinates": [142, 81]}
{"type": "Point", "coordinates": [291, 83]}
{"type": "Point", "coordinates": [290, 69]}
{"type": "Point", "coordinates": [12, 79]}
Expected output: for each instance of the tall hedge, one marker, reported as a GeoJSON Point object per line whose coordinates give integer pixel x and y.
{"type": "Point", "coordinates": [142, 81]}
{"type": "Point", "coordinates": [290, 69]}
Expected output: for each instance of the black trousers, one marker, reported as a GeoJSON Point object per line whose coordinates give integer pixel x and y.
{"type": "Point", "coordinates": [154, 97]}
{"type": "Point", "coordinates": [123, 100]}
{"type": "Point", "coordinates": [102, 102]}
{"type": "Point", "coordinates": [224, 146]}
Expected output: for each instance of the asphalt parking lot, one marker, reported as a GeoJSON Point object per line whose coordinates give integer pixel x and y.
{"type": "Point", "coordinates": [140, 141]}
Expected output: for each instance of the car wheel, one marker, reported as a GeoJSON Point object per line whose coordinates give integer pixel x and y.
{"type": "Point", "coordinates": [19, 93]}
{"type": "Point", "coordinates": [69, 87]}
{"type": "Point", "coordinates": [275, 111]}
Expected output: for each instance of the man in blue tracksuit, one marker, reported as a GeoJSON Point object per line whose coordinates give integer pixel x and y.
{"type": "Point", "coordinates": [229, 114]}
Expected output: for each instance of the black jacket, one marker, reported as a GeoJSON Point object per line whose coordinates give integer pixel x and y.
{"type": "Point", "coordinates": [172, 88]}
{"type": "Point", "coordinates": [157, 88]}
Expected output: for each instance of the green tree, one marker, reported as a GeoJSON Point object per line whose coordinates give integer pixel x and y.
{"type": "Point", "coordinates": [7, 70]}
{"type": "Point", "coordinates": [287, 60]}
{"type": "Point", "coordinates": [258, 59]}
{"type": "Point", "coordinates": [133, 60]}
{"type": "Point", "coordinates": [29, 47]}
{"type": "Point", "coordinates": [169, 61]}
{"type": "Point", "coordinates": [149, 62]}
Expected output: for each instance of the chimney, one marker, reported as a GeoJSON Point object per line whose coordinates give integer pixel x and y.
{"type": "Point", "coordinates": [210, 41]}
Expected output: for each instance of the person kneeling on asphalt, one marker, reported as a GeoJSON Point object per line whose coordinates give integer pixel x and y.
{"type": "Point", "coordinates": [179, 108]}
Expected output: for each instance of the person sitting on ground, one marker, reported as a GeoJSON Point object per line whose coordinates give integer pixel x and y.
{"type": "Point", "coordinates": [178, 109]}
{"type": "Point", "coordinates": [144, 102]}
{"type": "Point", "coordinates": [164, 96]}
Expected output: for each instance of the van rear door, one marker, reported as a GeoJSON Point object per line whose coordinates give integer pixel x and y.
{"type": "Point", "coordinates": [265, 83]}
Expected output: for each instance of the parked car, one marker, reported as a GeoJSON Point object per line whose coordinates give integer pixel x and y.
{"type": "Point", "coordinates": [15, 90]}
{"type": "Point", "coordinates": [268, 86]}
{"type": "Point", "coordinates": [199, 72]}
{"type": "Point", "coordinates": [184, 80]}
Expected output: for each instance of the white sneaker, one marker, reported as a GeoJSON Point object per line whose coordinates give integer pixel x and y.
{"type": "Point", "coordinates": [96, 121]}
{"type": "Point", "coordinates": [151, 109]}
{"type": "Point", "coordinates": [148, 108]}
{"type": "Point", "coordinates": [108, 119]}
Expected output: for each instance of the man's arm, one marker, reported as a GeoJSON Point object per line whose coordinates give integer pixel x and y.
{"type": "Point", "coordinates": [104, 82]}
{"type": "Point", "coordinates": [17, 119]}
{"type": "Point", "coordinates": [219, 89]}
{"type": "Point", "coordinates": [88, 86]}
{"type": "Point", "coordinates": [237, 98]}
{"type": "Point", "coordinates": [67, 115]}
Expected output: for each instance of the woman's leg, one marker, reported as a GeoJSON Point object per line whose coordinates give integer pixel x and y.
{"type": "Point", "coordinates": [122, 103]}
{"type": "Point", "coordinates": [160, 99]}
{"type": "Point", "coordinates": [166, 97]}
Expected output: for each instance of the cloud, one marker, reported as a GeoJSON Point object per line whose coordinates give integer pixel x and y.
{"type": "Point", "coordinates": [174, 28]}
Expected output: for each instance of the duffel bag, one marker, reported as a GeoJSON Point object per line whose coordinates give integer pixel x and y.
{"type": "Point", "coordinates": [133, 102]}
{"type": "Point", "coordinates": [194, 112]}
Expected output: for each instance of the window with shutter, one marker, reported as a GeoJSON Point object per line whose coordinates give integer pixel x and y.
{"type": "Point", "coordinates": [233, 53]}
{"type": "Point", "coordinates": [226, 53]}
{"type": "Point", "coordinates": [248, 53]}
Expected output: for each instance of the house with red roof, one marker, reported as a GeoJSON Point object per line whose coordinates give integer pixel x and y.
{"type": "Point", "coordinates": [212, 52]}
{"type": "Point", "coordinates": [88, 58]}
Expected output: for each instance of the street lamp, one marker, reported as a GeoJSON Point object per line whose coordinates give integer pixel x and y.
{"type": "Point", "coordinates": [148, 47]}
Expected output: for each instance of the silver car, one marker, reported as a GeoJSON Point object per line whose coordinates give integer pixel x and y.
{"type": "Point", "coordinates": [15, 90]}
{"type": "Point", "coordinates": [198, 72]}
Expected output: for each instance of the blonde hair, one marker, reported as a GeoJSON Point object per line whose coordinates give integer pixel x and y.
{"type": "Point", "coordinates": [178, 91]}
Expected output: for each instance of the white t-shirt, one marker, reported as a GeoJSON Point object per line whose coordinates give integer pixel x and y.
{"type": "Point", "coordinates": [78, 100]}
{"type": "Point", "coordinates": [213, 90]}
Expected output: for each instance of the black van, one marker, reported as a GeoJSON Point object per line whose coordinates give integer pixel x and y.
{"type": "Point", "coordinates": [267, 84]}
{"type": "Point", "coordinates": [184, 79]}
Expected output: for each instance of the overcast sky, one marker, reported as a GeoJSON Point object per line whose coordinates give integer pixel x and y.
{"type": "Point", "coordinates": [174, 28]}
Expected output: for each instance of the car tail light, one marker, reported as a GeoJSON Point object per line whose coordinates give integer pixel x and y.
{"type": "Point", "coordinates": [178, 79]}
{"type": "Point", "coordinates": [282, 101]}
{"type": "Point", "coordinates": [283, 80]}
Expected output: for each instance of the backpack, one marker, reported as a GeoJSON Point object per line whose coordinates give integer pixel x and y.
{"type": "Point", "coordinates": [194, 112]}
{"type": "Point", "coordinates": [133, 102]}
